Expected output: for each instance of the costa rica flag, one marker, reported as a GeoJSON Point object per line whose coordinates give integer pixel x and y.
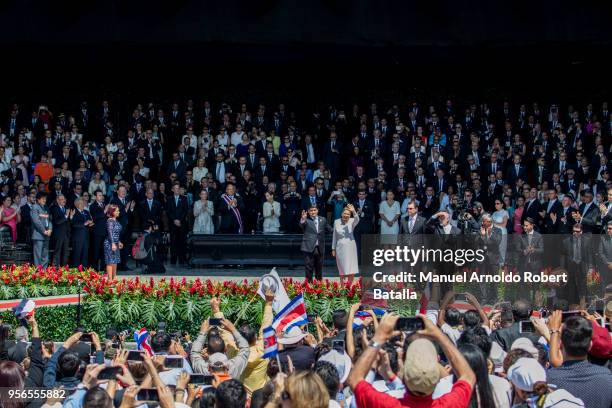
{"type": "Point", "coordinates": [293, 314]}
{"type": "Point", "coordinates": [141, 337]}
{"type": "Point", "coordinates": [270, 345]}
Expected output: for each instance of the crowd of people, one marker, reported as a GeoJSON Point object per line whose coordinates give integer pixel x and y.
{"type": "Point", "coordinates": [215, 169]}
{"type": "Point", "coordinates": [441, 358]}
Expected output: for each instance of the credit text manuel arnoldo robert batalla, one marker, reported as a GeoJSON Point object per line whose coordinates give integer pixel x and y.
{"type": "Point", "coordinates": [403, 256]}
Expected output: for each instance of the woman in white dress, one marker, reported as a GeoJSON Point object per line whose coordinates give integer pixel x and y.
{"type": "Point", "coordinates": [271, 214]}
{"type": "Point", "coordinates": [344, 248]}
{"type": "Point", "coordinates": [200, 170]}
{"type": "Point", "coordinates": [500, 220]}
{"type": "Point", "coordinates": [203, 210]}
{"type": "Point", "coordinates": [389, 212]}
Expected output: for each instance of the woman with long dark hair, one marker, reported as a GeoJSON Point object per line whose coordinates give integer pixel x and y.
{"type": "Point", "coordinates": [482, 395]}
{"type": "Point", "coordinates": [112, 245]}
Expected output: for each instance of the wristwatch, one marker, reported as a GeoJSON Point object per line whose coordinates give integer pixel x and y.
{"type": "Point", "coordinates": [375, 345]}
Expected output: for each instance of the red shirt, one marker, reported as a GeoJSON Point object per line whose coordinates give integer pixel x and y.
{"type": "Point", "coordinates": [367, 397]}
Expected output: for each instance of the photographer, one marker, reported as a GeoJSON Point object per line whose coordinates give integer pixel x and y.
{"type": "Point", "coordinates": [152, 241]}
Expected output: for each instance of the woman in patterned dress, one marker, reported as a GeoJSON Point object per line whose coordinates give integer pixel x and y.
{"type": "Point", "coordinates": [112, 245]}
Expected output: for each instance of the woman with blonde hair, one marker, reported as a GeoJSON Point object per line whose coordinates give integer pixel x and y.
{"type": "Point", "coordinates": [303, 389]}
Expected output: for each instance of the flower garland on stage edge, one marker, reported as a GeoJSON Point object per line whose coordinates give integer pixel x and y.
{"type": "Point", "coordinates": [135, 302]}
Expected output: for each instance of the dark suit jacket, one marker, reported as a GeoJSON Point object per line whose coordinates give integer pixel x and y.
{"type": "Point", "coordinates": [229, 224]}
{"type": "Point", "coordinates": [177, 212]}
{"type": "Point", "coordinates": [366, 217]}
{"type": "Point", "coordinates": [417, 229]}
{"type": "Point", "coordinates": [155, 213]}
{"type": "Point", "coordinates": [99, 219]}
{"type": "Point", "coordinates": [311, 236]}
{"type": "Point", "coordinates": [61, 225]}
{"type": "Point", "coordinates": [586, 251]}
{"type": "Point", "coordinates": [532, 262]}
{"type": "Point", "coordinates": [590, 219]}
{"type": "Point", "coordinates": [491, 244]}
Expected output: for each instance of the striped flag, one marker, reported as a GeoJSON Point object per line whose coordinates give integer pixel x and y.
{"type": "Point", "coordinates": [24, 309]}
{"type": "Point", "coordinates": [293, 314]}
{"type": "Point", "coordinates": [141, 337]}
{"type": "Point", "coordinates": [270, 345]}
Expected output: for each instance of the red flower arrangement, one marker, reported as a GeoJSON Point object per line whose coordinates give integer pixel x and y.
{"type": "Point", "coordinates": [98, 285]}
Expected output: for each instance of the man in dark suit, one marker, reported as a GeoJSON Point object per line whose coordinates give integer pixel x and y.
{"type": "Point", "coordinates": [61, 231]}
{"type": "Point", "coordinates": [552, 206]}
{"type": "Point", "coordinates": [150, 209]}
{"type": "Point", "coordinates": [532, 207]}
{"type": "Point", "coordinates": [24, 228]}
{"type": "Point", "coordinates": [605, 256]}
{"type": "Point", "coordinates": [331, 153]}
{"type": "Point", "coordinates": [177, 209]}
{"type": "Point", "coordinates": [589, 215]}
{"type": "Point", "coordinates": [531, 247]}
{"type": "Point", "coordinates": [516, 170]}
{"type": "Point", "coordinates": [177, 166]}
{"type": "Point", "coordinates": [311, 198]}
{"type": "Point", "coordinates": [81, 222]}
{"type": "Point", "coordinates": [231, 207]}
{"type": "Point", "coordinates": [489, 240]}
{"type": "Point", "coordinates": [365, 211]}
{"type": "Point", "coordinates": [445, 237]}
{"type": "Point", "coordinates": [578, 258]}
{"type": "Point", "coordinates": [96, 209]}
{"type": "Point", "coordinates": [125, 211]}
{"type": "Point", "coordinates": [314, 228]}
{"type": "Point", "coordinates": [413, 224]}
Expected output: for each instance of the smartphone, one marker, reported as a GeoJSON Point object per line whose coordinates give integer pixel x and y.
{"type": "Point", "coordinates": [461, 297]}
{"type": "Point", "coordinates": [409, 324]}
{"type": "Point", "coordinates": [201, 379]}
{"type": "Point", "coordinates": [526, 326]}
{"type": "Point", "coordinates": [569, 313]}
{"type": "Point", "coordinates": [173, 362]}
{"type": "Point", "coordinates": [135, 355]}
{"type": "Point", "coordinates": [609, 327]}
{"type": "Point", "coordinates": [338, 345]}
{"type": "Point", "coordinates": [213, 321]}
{"type": "Point", "coordinates": [85, 338]}
{"type": "Point", "coordinates": [147, 394]}
{"type": "Point", "coordinates": [115, 345]}
{"type": "Point", "coordinates": [110, 373]}
{"type": "Point", "coordinates": [311, 318]}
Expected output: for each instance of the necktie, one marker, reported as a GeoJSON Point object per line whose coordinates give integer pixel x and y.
{"type": "Point", "coordinates": [176, 201]}
{"type": "Point", "coordinates": [150, 204]}
{"type": "Point", "coordinates": [313, 200]}
{"type": "Point", "coordinates": [411, 224]}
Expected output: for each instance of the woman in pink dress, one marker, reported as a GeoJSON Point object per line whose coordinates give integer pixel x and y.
{"type": "Point", "coordinates": [517, 226]}
{"type": "Point", "coordinates": [10, 216]}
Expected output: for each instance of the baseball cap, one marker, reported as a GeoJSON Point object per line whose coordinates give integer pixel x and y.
{"type": "Point", "coordinates": [421, 368]}
{"type": "Point", "coordinates": [217, 359]}
{"type": "Point", "coordinates": [341, 361]}
{"type": "Point", "coordinates": [497, 355]}
{"type": "Point", "coordinates": [292, 336]}
{"type": "Point", "coordinates": [524, 343]}
{"type": "Point", "coordinates": [601, 343]}
{"type": "Point", "coordinates": [525, 373]}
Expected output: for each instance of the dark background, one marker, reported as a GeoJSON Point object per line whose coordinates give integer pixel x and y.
{"type": "Point", "coordinates": [315, 50]}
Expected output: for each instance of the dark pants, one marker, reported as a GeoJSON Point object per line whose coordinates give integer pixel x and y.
{"type": "Point", "coordinates": [488, 291]}
{"type": "Point", "coordinates": [80, 249]}
{"type": "Point", "coordinates": [61, 250]}
{"type": "Point", "coordinates": [313, 262]}
{"type": "Point", "coordinates": [98, 252]}
{"type": "Point", "coordinates": [178, 238]}
{"type": "Point", "coordinates": [576, 281]}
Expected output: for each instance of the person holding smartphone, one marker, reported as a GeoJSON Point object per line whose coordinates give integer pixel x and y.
{"type": "Point", "coordinates": [421, 370]}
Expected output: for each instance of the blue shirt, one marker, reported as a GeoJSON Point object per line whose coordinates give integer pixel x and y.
{"type": "Point", "coordinates": [589, 382]}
